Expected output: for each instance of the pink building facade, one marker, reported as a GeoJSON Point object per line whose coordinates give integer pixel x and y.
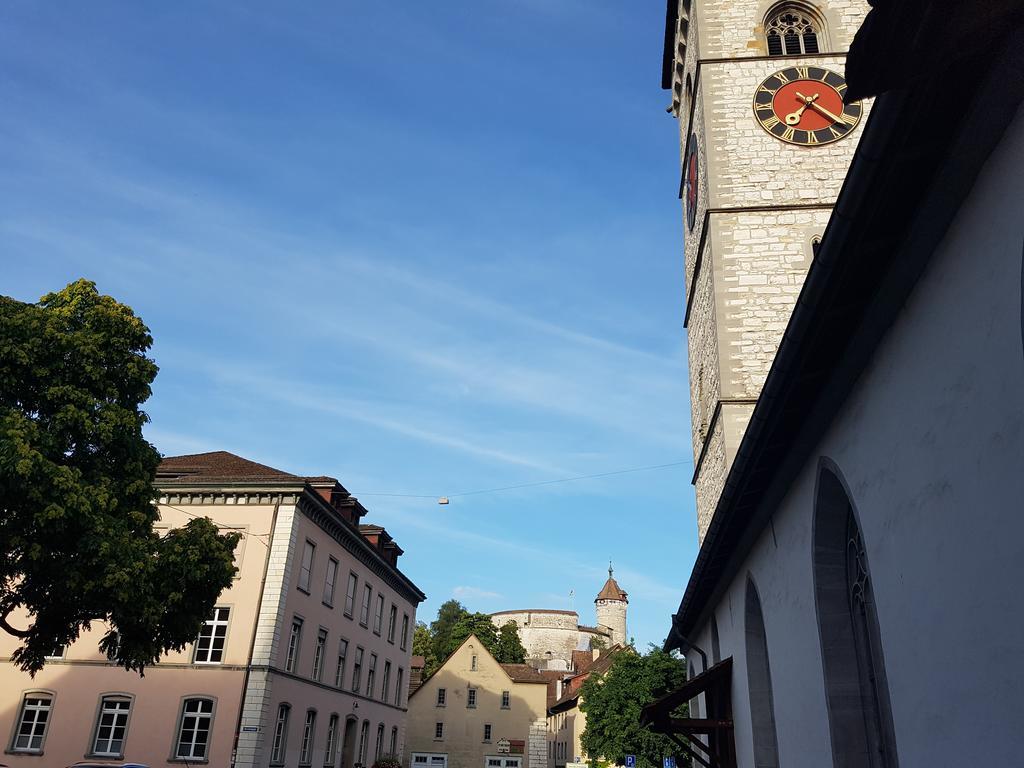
{"type": "Point", "coordinates": [304, 662]}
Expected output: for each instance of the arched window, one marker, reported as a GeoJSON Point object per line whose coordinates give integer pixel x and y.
{"type": "Point", "coordinates": [277, 749]}
{"type": "Point", "coordinates": [716, 646]}
{"type": "Point", "coordinates": [792, 29]}
{"type": "Point", "coordinates": [856, 693]}
{"type": "Point", "coordinates": [759, 683]}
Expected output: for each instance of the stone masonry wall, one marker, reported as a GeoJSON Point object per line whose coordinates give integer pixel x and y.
{"type": "Point", "coordinates": [735, 28]}
{"type": "Point", "coordinates": [538, 744]}
{"type": "Point", "coordinates": [764, 200]}
{"type": "Point", "coordinates": [256, 701]}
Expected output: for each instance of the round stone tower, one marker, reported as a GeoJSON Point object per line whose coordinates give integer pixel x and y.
{"type": "Point", "coordinates": [611, 605]}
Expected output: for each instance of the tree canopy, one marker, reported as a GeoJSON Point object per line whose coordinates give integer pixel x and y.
{"type": "Point", "coordinates": [510, 648]}
{"type": "Point", "coordinates": [612, 702]}
{"type": "Point", "coordinates": [77, 543]}
{"type": "Point", "coordinates": [454, 623]}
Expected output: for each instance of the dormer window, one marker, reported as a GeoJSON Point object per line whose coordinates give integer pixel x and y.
{"type": "Point", "coordinates": [791, 31]}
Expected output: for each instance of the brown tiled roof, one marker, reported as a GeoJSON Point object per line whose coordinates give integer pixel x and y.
{"type": "Point", "coordinates": [611, 590]}
{"type": "Point", "coordinates": [572, 692]}
{"type": "Point", "coordinates": [523, 673]}
{"type": "Point", "coordinates": [216, 465]}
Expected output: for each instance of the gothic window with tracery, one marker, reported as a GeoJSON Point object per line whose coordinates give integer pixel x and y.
{"type": "Point", "coordinates": [792, 31]}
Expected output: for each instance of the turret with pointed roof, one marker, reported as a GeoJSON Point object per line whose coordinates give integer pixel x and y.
{"type": "Point", "coordinates": [611, 604]}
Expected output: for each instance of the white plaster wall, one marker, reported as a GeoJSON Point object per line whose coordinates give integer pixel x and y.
{"type": "Point", "coordinates": [931, 443]}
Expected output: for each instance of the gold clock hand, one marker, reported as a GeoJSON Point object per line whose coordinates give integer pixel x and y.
{"type": "Point", "coordinates": [812, 103]}
{"type": "Point", "coordinates": [794, 117]}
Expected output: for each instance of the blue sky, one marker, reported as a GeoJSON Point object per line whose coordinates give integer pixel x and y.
{"type": "Point", "coordinates": [424, 248]}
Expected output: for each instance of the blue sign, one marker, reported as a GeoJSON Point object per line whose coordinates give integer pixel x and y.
{"type": "Point", "coordinates": [630, 761]}
{"type": "Point", "coordinates": [668, 762]}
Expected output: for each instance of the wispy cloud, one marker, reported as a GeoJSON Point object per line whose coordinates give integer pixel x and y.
{"type": "Point", "coordinates": [474, 593]}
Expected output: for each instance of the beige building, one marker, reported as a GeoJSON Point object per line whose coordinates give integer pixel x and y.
{"type": "Point", "coordinates": [553, 639]}
{"type": "Point", "coordinates": [476, 713]}
{"type": "Point", "coordinates": [303, 662]}
{"type": "Point", "coordinates": [566, 721]}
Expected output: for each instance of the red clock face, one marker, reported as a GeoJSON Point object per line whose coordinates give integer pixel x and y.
{"type": "Point", "coordinates": [804, 105]}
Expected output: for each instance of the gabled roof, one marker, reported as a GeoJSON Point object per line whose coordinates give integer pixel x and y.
{"type": "Point", "coordinates": [517, 673]}
{"type": "Point", "coordinates": [216, 465]}
{"type": "Point", "coordinates": [570, 697]}
{"type": "Point", "coordinates": [523, 673]}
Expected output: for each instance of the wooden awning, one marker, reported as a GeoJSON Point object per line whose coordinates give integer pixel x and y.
{"type": "Point", "coordinates": [717, 750]}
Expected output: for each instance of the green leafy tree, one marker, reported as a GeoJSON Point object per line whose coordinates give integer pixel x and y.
{"type": "Point", "coordinates": [478, 624]}
{"type": "Point", "coordinates": [448, 615]}
{"type": "Point", "coordinates": [423, 645]}
{"type": "Point", "coordinates": [612, 703]}
{"type": "Point", "coordinates": [510, 648]}
{"type": "Point", "coordinates": [77, 543]}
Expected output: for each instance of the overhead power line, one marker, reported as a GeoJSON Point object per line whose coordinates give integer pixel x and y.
{"type": "Point", "coordinates": [533, 484]}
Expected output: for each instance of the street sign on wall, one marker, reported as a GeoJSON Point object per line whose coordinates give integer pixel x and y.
{"type": "Point", "coordinates": [504, 745]}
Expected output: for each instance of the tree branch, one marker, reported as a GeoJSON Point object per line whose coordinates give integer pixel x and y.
{"type": "Point", "coordinates": [12, 630]}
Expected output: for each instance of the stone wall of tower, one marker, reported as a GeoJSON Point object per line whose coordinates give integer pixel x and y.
{"type": "Point", "coordinates": [760, 203]}
{"type": "Point", "coordinates": [612, 614]}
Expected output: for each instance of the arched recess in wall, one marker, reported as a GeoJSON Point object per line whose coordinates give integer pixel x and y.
{"type": "Point", "coordinates": [794, 29]}
{"type": "Point", "coordinates": [759, 683]}
{"type": "Point", "coordinates": [716, 646]}
{"type": "Point", "coordinates": [856, 691]}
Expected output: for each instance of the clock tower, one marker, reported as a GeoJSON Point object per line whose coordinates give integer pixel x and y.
{"type": "Point", "coordinates": [765, 142]}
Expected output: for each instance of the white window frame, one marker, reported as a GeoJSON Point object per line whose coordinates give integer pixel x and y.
{"type": "Point", "coordinates": [117, 713]}
{"type": "Point", "coordinates": [378, 747]}
{"type": "Point", "coordinates": [308, 734]}
{"type": "Point", "coordinates": [405, 632]}
{"type": "Point", "coordinates": [371, 675]}
{"type": "Point", "coordinates": [392, 621]}
{"type": "Point", "coordinates": [306, 566]}
{"type": "Point", "coordinates": [429, 760]}
{"type": "Point", "coordinates": [32, 704]}
{"type": "Point", "coordinates": [378, 614]}
{"type": "Point", "coordinates": [330, 581]}
{"type": "Point", "coordinates": [331, 745]}
{"type": "Point", "coordinates": [197, 717]}
{"type": "Point", "coordinates": [351, 588]}
{"type": "Point", "coordinates": [339, 671]}
{"type": "Point", "coordinates": [506, 699]}
{"type": "Point", "coordinates": [319, 653]}
{"type": "Point", "coordinates": [471, 698]}
{"type": "Point", "coordinates": [294, 641]}
{"type": "Point", "coordinates": [279, 746]}
{"type": "Point", "coordinates": [213, 629]}
{"type": "Point", "coordinates": [357, 669]}
{"type": "Point", "coordinates": [385, 681]}
{"type": "Point", "coordinates": [394, 741]}
{"type": "Point", "coordinates": [364, 606]}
